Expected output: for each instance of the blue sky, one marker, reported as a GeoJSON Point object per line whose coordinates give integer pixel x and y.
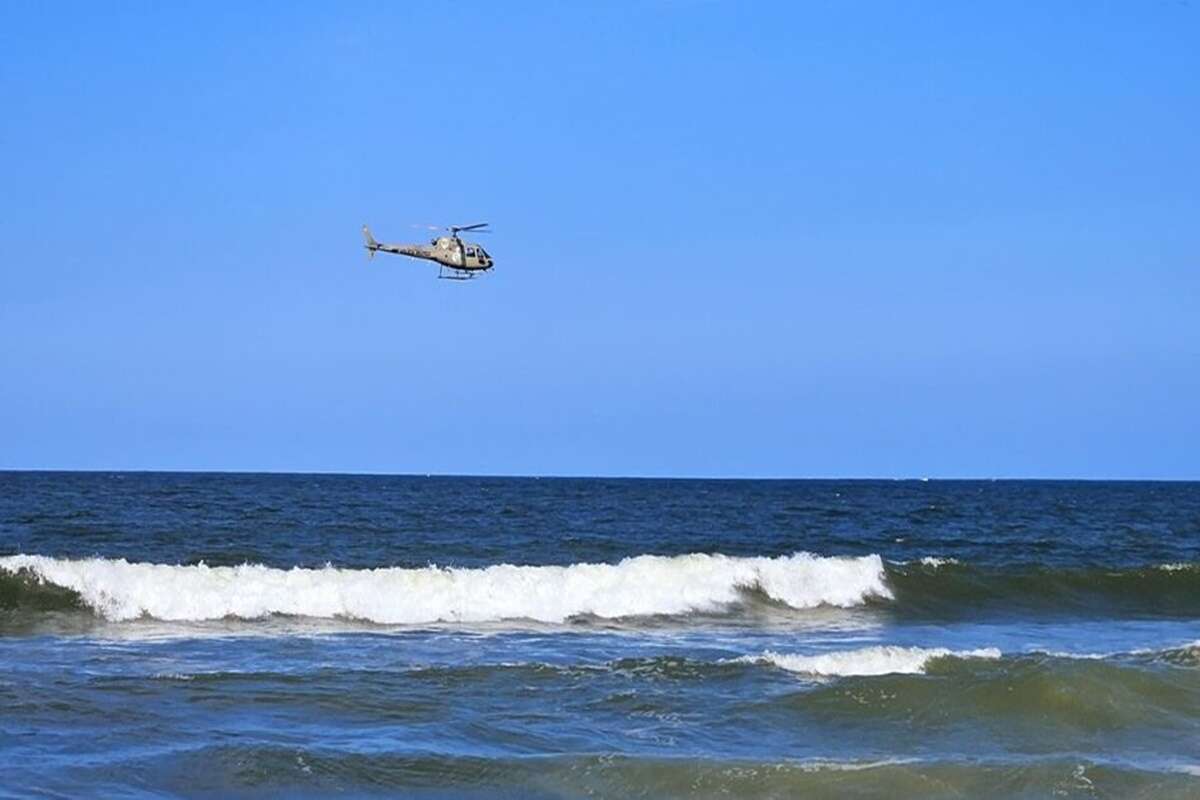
{"type": "Point", "coordinates": [795, 239]}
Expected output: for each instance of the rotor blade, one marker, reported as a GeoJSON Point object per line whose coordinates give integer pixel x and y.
{"type": "Point", "coordinates": [476, 226]}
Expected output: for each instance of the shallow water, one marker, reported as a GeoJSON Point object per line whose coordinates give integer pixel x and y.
{"type": "Point", "coordinates": [240, 635]}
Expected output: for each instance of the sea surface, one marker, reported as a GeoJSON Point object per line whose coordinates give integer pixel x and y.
{"type": "Point", "coordinates": [239, 635]}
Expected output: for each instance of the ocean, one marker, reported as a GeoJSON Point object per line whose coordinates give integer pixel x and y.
{"type": "Point", "coordinates": [243, 635]}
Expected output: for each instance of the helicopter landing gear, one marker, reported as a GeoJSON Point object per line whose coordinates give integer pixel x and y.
{"type": "Point", "coordinates": [454, 274]}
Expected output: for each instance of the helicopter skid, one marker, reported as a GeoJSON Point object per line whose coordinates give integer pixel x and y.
{"type": "Point", "coordinates": [456, 274]}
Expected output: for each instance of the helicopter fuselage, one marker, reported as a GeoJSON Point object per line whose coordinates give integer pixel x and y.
{"type": "Point", "coordinates": [450, 251]}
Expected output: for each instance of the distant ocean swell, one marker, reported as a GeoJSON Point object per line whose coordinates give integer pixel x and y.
{"type": "Point", "coordinates": [641, 586]}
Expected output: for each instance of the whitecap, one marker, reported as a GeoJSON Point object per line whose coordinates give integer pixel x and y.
{"type": "Point", "coordinates": [878, 660]}
{"type": "Point", "coordinates": [936, 561]}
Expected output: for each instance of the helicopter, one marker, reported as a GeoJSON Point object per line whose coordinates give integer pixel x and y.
{"type": "Point", "coordinates": [464, 260]}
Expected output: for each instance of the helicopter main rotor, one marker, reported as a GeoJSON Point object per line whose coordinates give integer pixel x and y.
{"type": "Point", "coordinates": [477, 227]}
{"type": "Point", "coordinates": [454, 230]}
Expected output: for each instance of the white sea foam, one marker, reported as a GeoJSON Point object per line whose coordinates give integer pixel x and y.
{"type": "Point", "coordinates": [879, 660]}
{"type": "Point", "coordinates": [1178, 567]}
{"type": "Point", "coordinates": [818, 765]}
{"type": "Point", "coordinates": [639, 586]}
{"type": "Point", "coordinates": [935, 561]}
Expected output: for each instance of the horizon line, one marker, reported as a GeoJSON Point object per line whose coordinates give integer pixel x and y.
{"type": "Point", "coordinates": [570, 476]}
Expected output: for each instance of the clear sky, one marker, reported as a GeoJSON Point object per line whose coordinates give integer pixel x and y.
{"type": "Point", "coordinates": [732, 239]}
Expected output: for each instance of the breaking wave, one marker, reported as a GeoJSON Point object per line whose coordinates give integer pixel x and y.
{"type": "Point", "coordinates": [879, 660]}
{"type": "Point", "coordinates": [639, 586]}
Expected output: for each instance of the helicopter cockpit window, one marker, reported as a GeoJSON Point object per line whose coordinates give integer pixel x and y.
{"type": "Point", "coordinates": [471, 251]}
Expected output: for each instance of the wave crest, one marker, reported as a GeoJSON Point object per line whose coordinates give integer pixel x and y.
{"type": "Point", "coordinates": [941, 588]}
{"type": "Point", "coordinates": [639, 586]}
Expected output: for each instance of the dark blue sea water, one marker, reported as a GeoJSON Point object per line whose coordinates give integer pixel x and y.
{"type": "Point", "coordinates": [217, 635]}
